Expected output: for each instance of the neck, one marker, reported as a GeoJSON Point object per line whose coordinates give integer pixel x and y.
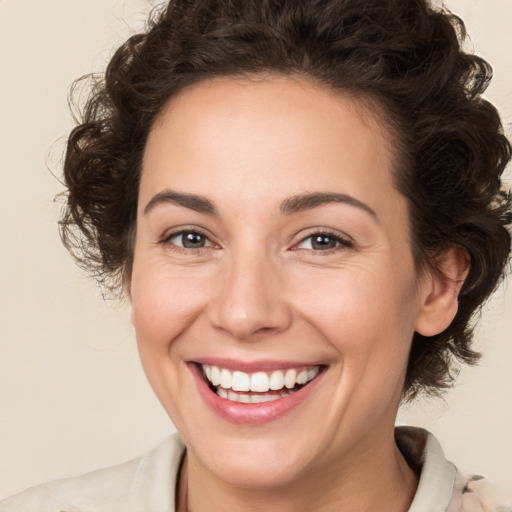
{"type": "Point", "coordinates": [367, 480]}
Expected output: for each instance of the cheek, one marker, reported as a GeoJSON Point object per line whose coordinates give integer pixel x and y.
{"type": "Point", "coordinates": [163, 306]}
{"type": "Point", "coordinates": [366, 313]}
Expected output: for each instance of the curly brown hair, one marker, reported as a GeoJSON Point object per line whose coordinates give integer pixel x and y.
{"type": "Point", "coordinates": [403, 54]}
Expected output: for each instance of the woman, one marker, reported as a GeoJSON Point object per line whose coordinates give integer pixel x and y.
{"type": "Point", "coordinates": [302, 202]}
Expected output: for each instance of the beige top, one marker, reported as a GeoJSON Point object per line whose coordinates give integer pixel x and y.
{"type": "Point", "coordinates": [147, 484]}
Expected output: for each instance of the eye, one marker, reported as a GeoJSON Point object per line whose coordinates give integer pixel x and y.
{"type": "Point", "coordinates": [323, 242]}
{"type": "Point", "coordinates": [188, 240]}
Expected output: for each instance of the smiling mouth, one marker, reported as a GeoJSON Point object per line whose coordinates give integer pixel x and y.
{"type": "Point", "coordinates": [257, 387]}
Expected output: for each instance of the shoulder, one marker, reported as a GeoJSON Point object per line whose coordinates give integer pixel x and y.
{"type": "Point", "coordinates": [477, 493]}
{"type": "Point", "coordinates": [443, 486]}
{"type": "Point", "coordinates": [150, 479]}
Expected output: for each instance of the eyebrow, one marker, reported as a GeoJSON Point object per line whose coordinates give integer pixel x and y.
{"type": "Point", "coordinates": [289, 206]}
{"type": "Point", "coordinates": [192, 201]}
{"type": "Point", "coordinates": [308, 201]}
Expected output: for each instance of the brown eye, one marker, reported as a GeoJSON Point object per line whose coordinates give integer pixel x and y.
{"type": "Point", "coordinates": [189, 240]}
{"type": "Point", "coordinates": [193, 240]}
{"type": "Point", "coordinates": [324, 242]}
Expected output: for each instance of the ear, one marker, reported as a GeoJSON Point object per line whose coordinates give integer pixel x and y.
{"type": "Point", "coordinates": [440, 291]}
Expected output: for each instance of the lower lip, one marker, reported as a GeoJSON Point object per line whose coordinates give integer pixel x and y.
{"type": "Point", "coordinates": [251, 414]}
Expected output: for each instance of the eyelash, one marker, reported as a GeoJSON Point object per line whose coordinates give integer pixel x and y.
{"type": "Point", "coordinates": [342, 242]}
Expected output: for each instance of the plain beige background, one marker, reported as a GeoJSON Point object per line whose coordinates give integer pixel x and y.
{"type": "Point", "coordinates": [72, 394]}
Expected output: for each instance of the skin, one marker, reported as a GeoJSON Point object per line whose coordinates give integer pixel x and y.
{"type": "Point", "coordinates": [258, 289]}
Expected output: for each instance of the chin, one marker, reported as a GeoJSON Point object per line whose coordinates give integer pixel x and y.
{"type": "Point", "coordinates": [263, 463]}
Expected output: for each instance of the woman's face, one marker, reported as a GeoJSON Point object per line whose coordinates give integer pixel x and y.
{"type": "Point", "coordinates": [271, 249]}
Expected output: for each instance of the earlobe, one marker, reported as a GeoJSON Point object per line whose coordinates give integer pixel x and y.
{"type": "Point", "coordinates": [440, 291]}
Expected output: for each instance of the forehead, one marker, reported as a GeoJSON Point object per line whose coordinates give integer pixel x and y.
{"type": "Point", "coordinates": [268, 135]}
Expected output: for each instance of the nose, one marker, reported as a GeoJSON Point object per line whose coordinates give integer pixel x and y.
{"type": "Point", "coordinates": [250, 299]}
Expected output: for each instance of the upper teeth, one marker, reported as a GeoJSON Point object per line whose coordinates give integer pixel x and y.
{"type": "Point", "coordinates": [260, 381]}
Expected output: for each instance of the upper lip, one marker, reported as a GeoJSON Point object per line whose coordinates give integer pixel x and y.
{"type": "Point", "coordinates": [262, 365]}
